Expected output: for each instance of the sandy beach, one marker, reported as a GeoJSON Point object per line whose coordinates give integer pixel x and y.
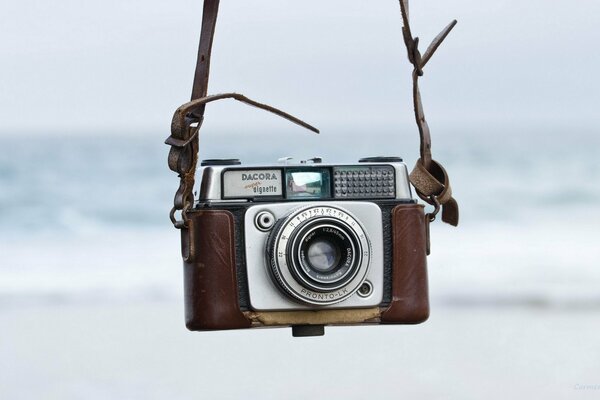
{"type": "Point", "coordinates": [142, 351]}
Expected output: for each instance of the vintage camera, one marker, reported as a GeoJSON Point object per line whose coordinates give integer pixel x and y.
{"type": "Point", "coordinates": [309, 244]}
{"type": "Point", "coordinates": [305, 245]}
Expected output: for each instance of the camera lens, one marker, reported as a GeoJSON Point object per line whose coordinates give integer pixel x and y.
{"type": "Point", "coordinates": [323, 255]}
{"type": "Point", "coordinates": [318, 255]}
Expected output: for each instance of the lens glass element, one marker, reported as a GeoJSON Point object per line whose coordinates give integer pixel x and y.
{"type": "Point", "coordinates": [323, 255]}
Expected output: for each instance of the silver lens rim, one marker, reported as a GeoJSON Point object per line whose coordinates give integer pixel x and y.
{"type": "Point", "coordinates": [280, 244]}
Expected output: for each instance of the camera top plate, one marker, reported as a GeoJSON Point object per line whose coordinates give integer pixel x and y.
{"type": "Point", "coordinates": [385, 180]}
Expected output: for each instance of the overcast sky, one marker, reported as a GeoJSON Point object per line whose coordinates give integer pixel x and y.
{"type": "Point", "coordinates": [123, 65]}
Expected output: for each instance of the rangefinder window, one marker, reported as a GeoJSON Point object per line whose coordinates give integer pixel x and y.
{"type": "Point", "coordinates": [312, 184]}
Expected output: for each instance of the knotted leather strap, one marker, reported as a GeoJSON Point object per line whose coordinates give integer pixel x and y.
{"type": "Point", "coordinates": [188, 118]}
{"type": "Point", "coordinates": [183, 155]}
{"type": "Point", "coordinates": [428, 177]}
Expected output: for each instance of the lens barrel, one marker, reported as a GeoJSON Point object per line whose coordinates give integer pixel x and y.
{"type": "Point", "coordinates": [324, 255]}
{"type": "Point", "coordinates": [318, 255]}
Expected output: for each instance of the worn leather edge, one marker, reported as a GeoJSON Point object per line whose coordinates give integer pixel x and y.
{"type": "Point", "coordinates": [410, 294]}
{"type": "Point", "coordinates": [210, 281]}
{"type": "Point", "coordinates": [320, 317]}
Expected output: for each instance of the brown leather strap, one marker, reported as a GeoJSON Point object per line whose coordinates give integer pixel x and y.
{"type": "Point", "coordinates": [207, 34]}
{"type": "Point", "coordinates": [428, 177]}
{"type": "Point", "coordinates": [180, 118]}
{"type": "Point", "coordinates": [183, 155]}
{"type": "Point", "coordinates": [187, 120]}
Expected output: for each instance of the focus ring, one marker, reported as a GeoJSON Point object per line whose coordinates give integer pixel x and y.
{"type": "Point", "coordinates": [286, 269]}
{"type": "Point", "coordinates": [271, 255]}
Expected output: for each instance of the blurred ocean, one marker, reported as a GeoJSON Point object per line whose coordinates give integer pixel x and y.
{"type": "Point", "coordinates": [85, 218]}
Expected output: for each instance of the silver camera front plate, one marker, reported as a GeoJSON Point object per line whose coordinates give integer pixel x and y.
{"type": "Point", "coordinates": [265, 294]}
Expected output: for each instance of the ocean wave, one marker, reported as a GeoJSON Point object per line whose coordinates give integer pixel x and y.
{"type": "Point", "coordinates": [99, 183]}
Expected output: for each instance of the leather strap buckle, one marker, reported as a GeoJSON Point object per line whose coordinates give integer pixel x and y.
{"type": "Point", "coordinates": [433, 187]}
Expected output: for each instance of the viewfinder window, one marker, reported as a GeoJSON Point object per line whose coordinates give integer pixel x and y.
{"type": "Point", "coordinates": [313, 184]}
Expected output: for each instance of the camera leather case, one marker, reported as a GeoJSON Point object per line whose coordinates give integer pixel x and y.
{"type": "Point", "coordinates": [212, 282]}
